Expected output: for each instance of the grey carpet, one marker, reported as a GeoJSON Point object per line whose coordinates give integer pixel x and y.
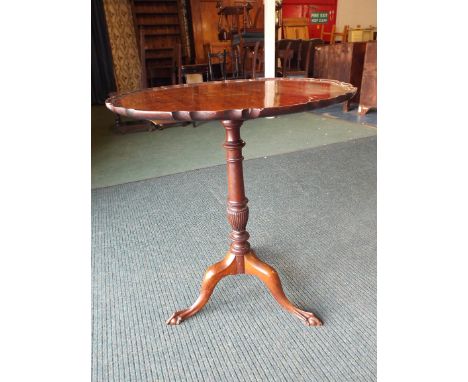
{"type": "Point", "coordinates": [312, 216]}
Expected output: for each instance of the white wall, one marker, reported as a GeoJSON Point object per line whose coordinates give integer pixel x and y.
{"type": "Point", "coordinates": [356, 12]}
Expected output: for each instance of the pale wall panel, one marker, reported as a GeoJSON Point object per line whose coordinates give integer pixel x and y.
{"type": "Point", "coordinates": [356, 12]}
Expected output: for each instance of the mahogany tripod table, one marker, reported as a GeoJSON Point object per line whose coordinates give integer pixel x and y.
{"type": "Point", "coordinates": [233, 102]}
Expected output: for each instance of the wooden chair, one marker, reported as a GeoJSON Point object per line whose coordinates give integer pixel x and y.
{"type": "Point", "coordinates": [243, 46]}
{"type": "Point", "coordinates": [324, 34]}
{"type": "Point", "coordinates": [334, 34]}
{"type": "Point", "coordinates": [257, 67]}
{"type": "Point", "coordinates": [232, 59]}
{"type": "Point", "coordinates": [308, 53]}
{"type": "Point", "coordinates": [303, 64]}
{"type": "Point", "coordinates": [283, 53]}
{"type": "Point", "coordinates": [258, 60]}
{"type": "Point", "coordinates": [343, 35]}
{"type": "Point", "coordinates": [221, 58]}
{"type": "Point", "coordinates": [296, 57]}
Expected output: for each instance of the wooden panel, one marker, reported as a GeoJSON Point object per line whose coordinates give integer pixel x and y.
{"type": "Point", "coordinates": [314, 43]}
{"type": "Point", "coordinates": [342, 62]}
{"type": "Point", "coordinates": [320, 62]}
{"type": "Point", "coordinates": [258, 15]}
{"type": "Point", "coordinates": [209, 23]}
{"type": "Point", "coordinates": [368, 98]}
{"type": "Point", "coordinates": [339, 62]}
{"type": "Point", "coordinates": [357, 67]}
{"type": "Point", "coordinates": [205, 26]}
{"type": "Point", "coordinates": [296, 28]}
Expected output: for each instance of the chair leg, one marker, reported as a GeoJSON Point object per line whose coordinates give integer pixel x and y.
{"type": "Point", "coordinates": [332, 35]}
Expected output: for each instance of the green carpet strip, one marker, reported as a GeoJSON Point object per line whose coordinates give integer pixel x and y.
{"type": "Point", "coordinates": [312, 217]}
{"type": "Point", "coordinates": [126, 158]}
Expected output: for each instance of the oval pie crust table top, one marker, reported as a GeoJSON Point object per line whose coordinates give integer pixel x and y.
{"type": "Point", "coordinates": [229, 100]}
{"type": "Point", "coordinates": [232, 102]}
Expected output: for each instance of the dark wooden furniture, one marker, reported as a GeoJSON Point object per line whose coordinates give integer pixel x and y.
{"type": "Point", "coordinates": [342, 62]}
{"type": "Point", "coordinates": [283, 56]}
{"type": "Point", "coordinates": [233, 19]}
{"type": "Point", "coordinates": [258, 61]}
{"type": "Point", "coordinates": [244, 45]}
{"type": "Point", "coordinates": [233, 102]}
{"type": "Point", "coordinates": [205, 23]}
{"type": "Point", "coordinates": [220, 59]}
{"type": "Point", "coordinates": [300, 62]}
{"type": "Point", "coordinates": [296, 57]}
{"type": "Point", "coordinates": [232, 69]}
{"type": "Point", "coordinates": [314, 42]}
{"type": "Point", "coordinates": [133, 126]}
{"type": "Point", "coordinates": [368, 99]}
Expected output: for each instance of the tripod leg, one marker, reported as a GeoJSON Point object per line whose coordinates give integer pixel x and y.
{"type": "Point", "coordinates": [213, 275]}
{"type": "Point", "coordinates": [266, 273]}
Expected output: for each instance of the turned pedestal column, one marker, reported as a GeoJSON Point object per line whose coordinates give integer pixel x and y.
{"type": "Point", "coordinates": [240, 257]}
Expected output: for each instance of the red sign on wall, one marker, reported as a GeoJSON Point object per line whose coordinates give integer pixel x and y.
{"type": "Point", "coordinates": [319, 13]}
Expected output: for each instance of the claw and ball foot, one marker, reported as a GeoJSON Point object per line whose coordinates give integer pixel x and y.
{"type": "Point", "coordinates": [253, 266]}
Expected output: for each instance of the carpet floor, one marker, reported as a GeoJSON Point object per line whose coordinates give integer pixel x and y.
{"type": "Point", "coordinates": [127, 158]}
{"type": "Point", "coordinates": [312, 217]}
{"type": "Point", "coordinates": [336, 111]}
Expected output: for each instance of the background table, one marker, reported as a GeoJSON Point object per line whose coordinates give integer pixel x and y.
{"type": "Point", "coordinates": [232, 102]}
